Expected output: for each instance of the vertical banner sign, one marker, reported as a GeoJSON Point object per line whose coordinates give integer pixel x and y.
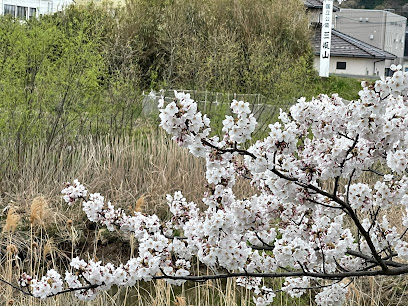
{"type": "Point", "coordinates": [326, 38]}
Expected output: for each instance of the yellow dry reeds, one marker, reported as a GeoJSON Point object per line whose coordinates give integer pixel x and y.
{"type": "Point", "coordinates": [13, 218]}
{"type": "Point", "coordinates": [39, 211]}
{"type": "Point", "coordinates": [48, 249]}
{"type": "Point", "coordinates": [11, 249]}
{"type": "Point", "coordinates": [180, 301]}
{"type": "Point", "coordinates": [140, 204]}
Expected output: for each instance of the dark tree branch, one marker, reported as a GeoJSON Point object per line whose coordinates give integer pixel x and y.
{"type": "Point", "coordinates": [372, 260]}
{"type": "Point", "coordinates": [337, 179]}
{"type": "Point", "coordinates": [339, 266]}
{"type": "Point", "coordinates": [374, 218]}
{"type": "Point", "coordinates": [15, 287]}
{"type": "Point", "coordinates": [374, 171]}
{"type": "Point", "coordinates": [338, 275]}
{"type": "Point", "coordinates": [345, 136]}
{"type": "Point", "coordinates": [301, 219]}
{"type": "Point", "coordinates": [323, 257]}
{"type": "Point", "coordinates": [262, 248]}
{"type": "Point", "coordinates": [202, 278]}
{"type": "Point", "coordinates": [76, 289]}
{"type": "Point", "coordinates": [175, 237]}
{"type": "Point", "coordinates": [348, 186]}
{"type": "Point", "coordinates": [334, 197]}
{"type": "Point", "coordinates": [231, 150]}
{"type": "Point", "coordinates": [325, 205]}
{"type": "Point", "coordinates": [260, 239]}
{"type": "Point", "coordinates": [385, 258]}
{"type": "Point", "coordinates": [403, 234]}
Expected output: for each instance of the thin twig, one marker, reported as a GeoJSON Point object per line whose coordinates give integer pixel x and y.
{"type": "Point", "coordinates": [15, 287]}
{"type": "Point", "coordinates": [374, 171]}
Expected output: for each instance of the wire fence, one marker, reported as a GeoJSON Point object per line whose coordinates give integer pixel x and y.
{"type": "Point", "coordinates": [217, 105]}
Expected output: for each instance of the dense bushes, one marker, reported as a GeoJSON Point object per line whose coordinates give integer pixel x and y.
{"type": "Point", "coordinates": [55, 81]}
{"type": "Point", "coordinates": [238, 46]}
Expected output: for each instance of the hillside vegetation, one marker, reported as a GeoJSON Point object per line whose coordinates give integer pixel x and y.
{"type": "Point", "coordinates": [400, 6]}
{"type": "Point", "coordinates": [83, 70]}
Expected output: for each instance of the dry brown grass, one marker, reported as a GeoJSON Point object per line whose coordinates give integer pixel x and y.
{"type": "Point", "coordinates": [123, 169]}
{"type": "Point", "coordinates": [12, 220]}
{"type": "Point", "coordinates": [38, 211]}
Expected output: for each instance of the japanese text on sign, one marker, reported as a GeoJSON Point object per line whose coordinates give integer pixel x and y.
{"type": "Point", "coordinates": [326, 38]}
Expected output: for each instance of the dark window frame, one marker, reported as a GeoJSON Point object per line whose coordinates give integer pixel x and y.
{"type": "Point", "coordinates": [22, 12]}
{"type": "Point", "coordinates": [9, 9]}
{"type": "Point", "coordinates": [341, 65]}
{"type": "Point", "coordinates": [32, 12]}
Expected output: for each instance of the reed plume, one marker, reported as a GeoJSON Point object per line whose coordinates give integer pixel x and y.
{"type": "Point", "coordinates": [12, 221]}
{"type": "Point", "coordinates": [38, 213]}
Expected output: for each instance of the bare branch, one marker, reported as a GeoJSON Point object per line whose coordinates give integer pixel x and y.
{"type": "Point", "coordinates": [232, 150]}
{"type": "Point", "coordinates": [374, 218]}
{"type": "Point", "coordinates": [403, 234]}
{"type": "Point", "coordinates": [77, 289]}
{"type": "Point", "coordinates": [339, 275]}
{"type": "Point", "coordinates": [260, 239]}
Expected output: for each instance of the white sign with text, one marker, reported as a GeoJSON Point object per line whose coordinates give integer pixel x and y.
{"type": "Point", "coordinates": [326, 38]}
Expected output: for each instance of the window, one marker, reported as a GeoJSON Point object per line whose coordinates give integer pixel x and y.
{"type": "Point", "coordinates": [10, 10]}
{"type": "Point", "coordinates": [32, 13]}
{"type": "Point", "coordinates": [22, 12]}
{"type": "Point", "coordinates": [341, 65]}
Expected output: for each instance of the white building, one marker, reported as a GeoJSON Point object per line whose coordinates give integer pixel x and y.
{"type": "Point", "coordinates": [364, 42]}
{"type": "Point", "coordinates": [380, 28]}
{"type": "Point", "coordinates": [26, 9]}
{"type": "Point", "coordinates": [350, 56]}
{"type": "Point", "coordinates": [406, 51]}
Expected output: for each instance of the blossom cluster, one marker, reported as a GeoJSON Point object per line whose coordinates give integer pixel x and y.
{"type": "Point", "coordinates": [73, 192]}
{"type": "Point", "coordinates": [48, 285]}
{"type": "Point", "coordinates": [240, 128]}
{"type": "Point", "coordinates": [313, 213]}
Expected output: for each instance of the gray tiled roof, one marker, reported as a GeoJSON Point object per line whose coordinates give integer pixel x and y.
{"type": "Point", "coordinates": [317, 4]}
{"type": "Point", "coordinates": [346, 46]}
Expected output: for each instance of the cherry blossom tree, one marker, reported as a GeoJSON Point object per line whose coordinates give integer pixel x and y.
{"type": "Point", "coordinates": [312, 221]}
